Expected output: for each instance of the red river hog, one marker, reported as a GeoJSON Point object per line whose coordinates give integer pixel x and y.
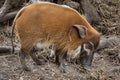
{"type": "Point", "coordinates": [54, 24]}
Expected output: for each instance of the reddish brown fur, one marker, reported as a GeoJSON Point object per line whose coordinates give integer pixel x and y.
{"type": "Point", "coordinates": [51, 22]}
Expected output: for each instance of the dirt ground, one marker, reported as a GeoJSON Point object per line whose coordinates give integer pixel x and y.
{"type": "Point", "coordinates": [106, 63]}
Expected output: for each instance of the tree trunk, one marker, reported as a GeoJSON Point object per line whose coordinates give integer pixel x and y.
{"type": "Point", "coordinates": [10, 6]}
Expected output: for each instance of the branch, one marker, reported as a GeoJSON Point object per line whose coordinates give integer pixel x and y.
{"type": "Point", "coordinates": [8, 16]}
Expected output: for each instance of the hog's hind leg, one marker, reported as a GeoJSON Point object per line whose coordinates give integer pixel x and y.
{"type": "Point", "coordinates": [22, 56]}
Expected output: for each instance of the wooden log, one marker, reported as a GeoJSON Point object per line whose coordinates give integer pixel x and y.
{"type": "Point", "coordinates": [109, 42]}
{"type": "Point", "coordinates": [6, 50]}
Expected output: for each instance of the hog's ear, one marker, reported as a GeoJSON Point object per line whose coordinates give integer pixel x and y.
{"type": "Point", "coordinates": [82, 30]}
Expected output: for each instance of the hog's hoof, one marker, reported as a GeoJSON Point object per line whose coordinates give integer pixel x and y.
{"type": "Point", "coordinates": [63, 69]}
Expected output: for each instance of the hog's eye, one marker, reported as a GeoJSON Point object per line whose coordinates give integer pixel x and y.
{"type": "Point", "coordinates": [88, 47]}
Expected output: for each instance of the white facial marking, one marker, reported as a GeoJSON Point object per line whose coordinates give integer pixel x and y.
{"type": "Point", "coordinates": [74, 53]}
{"type": "Point", "coordinates": [77, 52]}
{"type": "Point", "coordinates": [87, 49]}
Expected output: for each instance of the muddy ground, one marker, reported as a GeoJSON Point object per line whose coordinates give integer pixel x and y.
{"type": "Point", "coordinates": [106, 63]}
